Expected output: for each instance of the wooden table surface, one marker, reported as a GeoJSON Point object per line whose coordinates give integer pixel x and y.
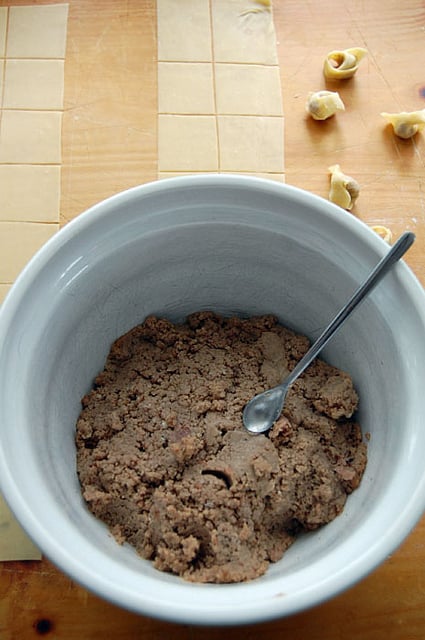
{"type": "Point", "coordinates": [110, 143]}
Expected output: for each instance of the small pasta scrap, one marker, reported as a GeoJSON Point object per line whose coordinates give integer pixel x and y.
{"type": "Point", "coordinates": [321, 105]}
{"type": "Point", "coordinates": [265, 5]}
{"type": "Point", "coordinates": [344, 189]}
{"type": "Point", "coordinates": [406, 123]}
{"type": "Point", "coordinates": [383, 232]}
{"type": "Point", "coordinates": [340, 65]}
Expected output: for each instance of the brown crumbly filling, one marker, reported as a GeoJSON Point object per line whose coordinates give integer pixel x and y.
{"type": "Point", "coordinates": [163, 458]}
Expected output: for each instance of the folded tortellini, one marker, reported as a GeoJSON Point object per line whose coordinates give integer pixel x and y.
{"type": "Point", "coordinates": [406, 123]}
{"type": "Point", "coordinates": [340, 65]}
{"type": "Point", "coordinates": [344, 190]}
{"type": "Point", "coordinates": [383, 232]}
{"type": "Point", "coordinates": [324, 104]}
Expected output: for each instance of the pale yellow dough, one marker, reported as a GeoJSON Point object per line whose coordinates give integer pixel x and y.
{"type": "Point", "coordinates": [322, 105]}
{"type": "Point", "coordinates": [340, 65]}
{"type": "Point", "coordinates": [219, 93]}
{"type": "Point", "coordinates": [344, 190]}
{"type": "Point", "coordinates": [276, 177]}
{"type": "Point", "coordinates": [32, 52]}
{"type": "Point", "coordinates": [248, 89]}
{"type": "Point", "coordinates": [3, 25]}
{"type": "Point", "coordinates": [406, 123]}
{"type": "Point", "coordinates": [19, 242]}
{"type": "Point", "coordinates": [30, 137]}
{"type": "Point", "coordinates": [37, 31]}
{"type": "Point", "coordinates": [14, 544]}
{"type": "Point", "coordinates": [183, 31]}
{"type": "Point", "coordinates": [383, 232]}
{"type": "Point", "coordinates": [241, 37]}
{"type": "Point", "coordinates": [33, 84]}
{"type": "Point", "coordinates": [185, 88]}
{"type": "Point", "coordinates": [40, 200]}
{"type": "Point", "coordinates": [264, 5]}
{"type": "Point", "coordinates": [251, 144]}
{"type": "Point", "coordinates": [187, 143]}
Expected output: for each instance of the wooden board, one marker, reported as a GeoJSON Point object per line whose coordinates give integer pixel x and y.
{"type": "Point", "coordinates": [110, 143]}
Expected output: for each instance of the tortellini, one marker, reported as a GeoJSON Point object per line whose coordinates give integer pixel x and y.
{"type": "Point", "coordinates": [406, 124]}
{"type": "Point", "coordinates": [340, 65]}
{"type": "Point", "coordinates": [324, 104]}
{"type": "Point", "coordinates": [383, 232]}
{"type": "Point", "coordinates": [344, 190]}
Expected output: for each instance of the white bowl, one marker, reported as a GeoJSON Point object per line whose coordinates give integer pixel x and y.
{"type": "Point", "coordinates": [236, 245]}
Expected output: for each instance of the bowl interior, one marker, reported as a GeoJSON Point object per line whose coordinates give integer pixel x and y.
{"type": "Point", "coordinates": [236, 246]}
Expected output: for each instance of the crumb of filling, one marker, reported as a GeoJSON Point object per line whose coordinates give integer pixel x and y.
{"type": "Point", "coordinates": [164, 461]}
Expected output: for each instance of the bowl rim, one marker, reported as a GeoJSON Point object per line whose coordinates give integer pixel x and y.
{"type": "Point", "coordinates": [90, 217]}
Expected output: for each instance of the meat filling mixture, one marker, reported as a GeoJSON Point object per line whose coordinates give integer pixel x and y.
{"type": "Point", "coordinates": [163, 458]}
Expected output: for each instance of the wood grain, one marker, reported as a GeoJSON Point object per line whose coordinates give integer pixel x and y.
{"type": "Point", "coordinates": [110, 143]}
{"type": "Point", "coordinates": [391, 78]}
{"type": "Point", "coordinates": [110, 102]}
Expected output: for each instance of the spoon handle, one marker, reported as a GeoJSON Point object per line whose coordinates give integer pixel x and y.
{"type": "Point", "coordinates": [383, 266]}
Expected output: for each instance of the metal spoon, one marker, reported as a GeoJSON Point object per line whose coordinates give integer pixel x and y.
{"type": "Point", "coordinates": [264, 409]}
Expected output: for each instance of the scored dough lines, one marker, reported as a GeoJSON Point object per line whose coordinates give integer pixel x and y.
{"type": "Point", "coordinates": [219, 94]}
{"type": "Point", "coordinates": [32, 52]}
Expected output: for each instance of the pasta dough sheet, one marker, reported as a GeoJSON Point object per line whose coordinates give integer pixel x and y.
{"type": "Point", "coordinates": [32, 52]}
{"type": "Point", "coordinates": [219, 93]}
